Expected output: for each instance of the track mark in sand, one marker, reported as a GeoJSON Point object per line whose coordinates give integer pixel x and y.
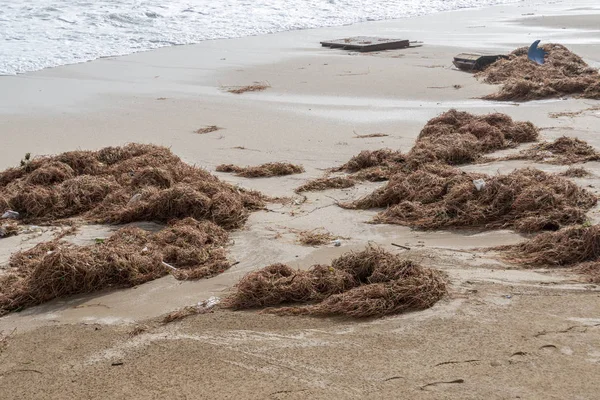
{"type": "Point", "coordinates": [456, 362]}
{"type": "Point", "coordinates": [518, 357]}
{"type": "Point", "coordinates": [392, 378]}
{"type": "Point", "coordinates": [21, 370]}
{"type": "Point", "coordinates": [288, 391]}
{"type": "Point", "coordinates": [548, 346]}
{"type": "Point", "coordinates": [575, 328]}
{"type": "Point", "coordinates": [442, 383]}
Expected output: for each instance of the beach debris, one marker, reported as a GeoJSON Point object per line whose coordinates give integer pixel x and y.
{"type": "Point", "coordinates": [440, 196]}
{"type": "Point", "coordinates": [536, 54]}
{"type": "Point", "coordinates": [474, 62]}
{"type": "Point", "coordinates": [202, 307]}
{"type": "Point", "coordinates": [479, 184]}
{"type": "Point", "coordinates": [453, 137]}
{"type": "Point", "coordinates": [335, 182]}
{"type": "Point", "coordinates": [10, 214]}
{"type": "Point", "coordinates": [365, 44]}
{"type": "Point", "coordinates": [337, 242]}
{"type": "Point", "coordinates": [369, 283]}
{"type": "Point", "coordinates": [563, 73]}
{"type": "Point", "coordinates": [194, 250]}
{"type": "Point", "coordinates": [574, 247]}
{"type": "Point", "coordinates": [136, 182]}
{"type": "Point", "coordinates": [138, 330]}
{"type": "Point", "coordinates": [134, 199]}
{"type": "Point", "coordinates": [370, 135]}
{"type": "Point", "coordinates": [207, 129]}
{"type": "Point", "coordinates": [314, 237]}
{"type": "Point", "coordinates": [255, 87]}
{"type": "Point", "coordinates": [263, 170]}
{"type": "Point", "coordinates": [576, 172]}
{"type": "Point", "coordinates": [564, 150]}
{"type": "Point", "coordinates": [401, 246]}
{"type": "Point", "coordinates": [9, 229]}
{"type": "Point", "coordinates": [571, 114]}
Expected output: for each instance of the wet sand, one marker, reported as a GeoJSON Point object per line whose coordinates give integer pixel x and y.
{"type": "Point", "coordinates": [501, 333]}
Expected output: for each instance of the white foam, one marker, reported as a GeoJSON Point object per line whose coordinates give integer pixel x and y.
{"type": "Point", "coordinates": [46, 33]}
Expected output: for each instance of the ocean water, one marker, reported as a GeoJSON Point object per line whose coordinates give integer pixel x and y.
{"type": "Point", "coordinates": [36, 34]}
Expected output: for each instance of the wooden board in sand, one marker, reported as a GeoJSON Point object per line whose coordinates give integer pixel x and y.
{"type": "Point", "coordinates": [366, 43]}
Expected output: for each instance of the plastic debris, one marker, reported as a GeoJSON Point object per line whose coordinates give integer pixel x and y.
{"type": "Point", "coordinates": [536, 54]}
{"type": "Point", "coordinates": [10, 214]}
{"type": "Point", "coordinates": [210, 303]}
{"type": "Point", "coordinates": [134, 199]}
{"type": "Point", "coordinates": [337, 242]}
{"type": "Point", "coordinates": [169, 266]}
{"type": "Point", "coordinates": [32, 229]}
{"type": "Point", "coordinates": [479, 184]}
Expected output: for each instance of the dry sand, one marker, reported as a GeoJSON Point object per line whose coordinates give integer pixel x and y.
{"type": "Point", "coordinates": [502, 333]}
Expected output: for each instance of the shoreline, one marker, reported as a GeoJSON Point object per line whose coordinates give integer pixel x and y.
{"type": "Point", "coordinates": [318, 101]}
{"type": "Point", "coordinates": [291, 29]}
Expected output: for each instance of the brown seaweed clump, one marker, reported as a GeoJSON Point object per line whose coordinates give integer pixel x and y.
{"type": "Point", "coordinates": [577, 247]}
{"type": "Point", "coordinates": [255, 87]}
{"type": "Point", "coordinates": [370, 283]}
{"type": "Point", "coordinates": [121, 184]}
{"type": "Point", "coordinates": [188, 249]}
{"type": "Point", "coordinates": [452, 138]}
{"type": "Point", "coordinates": [314, 237]}
{"type": "Point", "coordinates": [563, 73]}
{"type": "Point", "coordinates": [438, 196]}
{"type": "Point", "coordinates": [263, 170]}
{"type": "Point", "coordinates": [334, 182]}
{"type": "Point", "coordinates": [564, 150]}
{"type": "Point", "coordinates": [457, 137]}
{"type": "Point", "coordinates": [576, 172]}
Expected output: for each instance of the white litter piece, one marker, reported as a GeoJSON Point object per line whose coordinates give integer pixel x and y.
{"type": "Point", "coordinates": [168, 265]}
{"type": "Point", "coordinates": [210, 303]}
{"type": "Point", "coordinates": [337, 242]}
{"type": "Point", "coordinates": [134, 199]}
{"type": "Point", "coordinates": [10, 214]}
{"type": "Point", "coordinates": [479, 184]}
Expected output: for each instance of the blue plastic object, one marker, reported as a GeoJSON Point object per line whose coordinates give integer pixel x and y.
{"type": "Point", "coordinates": [536, 54]}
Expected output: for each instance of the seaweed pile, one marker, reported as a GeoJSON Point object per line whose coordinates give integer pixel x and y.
{"type": "Point", "coordinates": [577, 247]}
{"type": "Point", "coordinates": [370, 283]}
{"type": "Point", "coordinates": [439, 196]}
{"type": "Point", "coordinates": [263, 170]}
{"type": "Point", "coordinates": [452, 138]}
{"type": "Point", "coordinates": [188, 249]}
{"type": "Point", "coordinates": [136, 182]}
{"type": "Point", "coordinates": [117, 185]}
{"type": "Point", "coordinates": [563, 73]}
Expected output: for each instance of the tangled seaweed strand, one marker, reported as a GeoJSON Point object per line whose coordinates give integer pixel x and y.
{"type": "Point", "coordinates": [576, 172]}
{"type": "Point", "coordinates": [564, 150]}
{"type": "Point", "coordinates": [263, 170]}
{"type": "Point", "coordinates": [563, 73]}
{"type": "Point", "coordinates": [370, 283]}
{"type": "Point", "coordinates": [336, 182]}
{"type": "Point", "coordinates": [121, 184]}
{"type": "Point", "coordinates": [452, 138]}
{"type": "Point", "coordinates": [456, 137]}
{"type": "Point", "coordinates": [577, 247]}
{"type": "Point", "coordinates": [129, 257]}
{"type": "Point", "coordinates": [314, 237]}
{"type": "Point", "coordinates": [438, 196]}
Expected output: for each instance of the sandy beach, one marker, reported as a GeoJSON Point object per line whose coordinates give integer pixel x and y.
{"type": "Point", "coordinates": [502, 332]}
